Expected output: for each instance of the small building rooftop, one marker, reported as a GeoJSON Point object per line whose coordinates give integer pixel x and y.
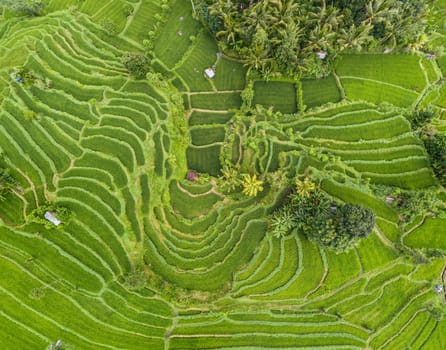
{"type": "Point", "coordinates": [209, 73]}
{"type": "Point", "coordinates": [51, 217]}
{"type": "Point", "coordinates": [321, 54]}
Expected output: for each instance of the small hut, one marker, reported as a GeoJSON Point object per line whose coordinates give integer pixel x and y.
{"type": "Point", "coordinates": [209, 73]}
{"type": "Point", "coordinates": [321, 54]}
{"type": "Point", "coordinates": [390, 199]}
{"type": "Point", "coordinates": [438, 289]}
{"type": "Point", "coordinates": [51, 217]}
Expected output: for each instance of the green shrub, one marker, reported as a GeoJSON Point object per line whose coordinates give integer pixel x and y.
{"type": "Point", "coordinates": [61, 213]}
{"type": "Point", "coordinates": [109, 26]}
{"type": "Point", "coordinates": [135, 280]}
{"type": "Point", "coordinates": [436, 147]}
{"type": "Point", "coordinates": [137, 64]}
{"type": "Point", "coordinates": [7, 183]}
{"type": "Point", "coordinates": [24, 7]}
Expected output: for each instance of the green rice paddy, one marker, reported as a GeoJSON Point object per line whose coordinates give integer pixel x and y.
{"type": "Point", "coordinates": [116, 152]}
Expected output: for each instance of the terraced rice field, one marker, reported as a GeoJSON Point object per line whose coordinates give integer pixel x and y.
{"type": "Point", "coordinates": [115, 151]}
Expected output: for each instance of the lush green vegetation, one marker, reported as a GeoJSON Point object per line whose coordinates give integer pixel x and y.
{"type": "Point", "coordinates": [304, 38]}
{"type": "Point", "coordinates": [221, 212]}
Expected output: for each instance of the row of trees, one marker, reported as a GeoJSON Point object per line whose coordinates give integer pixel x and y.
{"type": "Point", "coordinates": [7, 183]}
{"type": "Point", "coordinates": [434, 142]}
{"type": "Point", "coordinates": [291, 37]}
{"type": "Point", "coordinates": [24, 7]}
{"type": "Point", "coordinates": [436, 148]}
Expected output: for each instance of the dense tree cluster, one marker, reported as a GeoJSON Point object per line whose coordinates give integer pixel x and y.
{"type": "Point", "coordinates": [436, 148]}
{"type": "Point", "coordinates": [332, 225]}
{"type": "Point", "coordinates": [303, 37]}
{"type": "Point", "coordinates": [7, 183]}
{"type": "Point", "coordinates": [24, 7]}
{"type": "Point", "coordinates": [137, 64]}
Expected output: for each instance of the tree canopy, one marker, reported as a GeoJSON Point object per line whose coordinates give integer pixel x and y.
{"type": "Point", "coordinates": [289, 37]}
{"type": "Point", "coordinates": [24, 7]}
{"type": "Point", "coordinates": [336, 226]}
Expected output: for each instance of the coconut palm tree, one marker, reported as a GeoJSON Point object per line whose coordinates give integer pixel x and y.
{"type": "Point", "coordinates": [251, 185]}
{"type": "Point", "coordinates": [306, 187]}
{"type": "Point", "coordinates": [230, 178]}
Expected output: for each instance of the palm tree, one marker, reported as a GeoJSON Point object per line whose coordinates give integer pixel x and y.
{"type": "Point", "coordinates": [282, 222]}
{"type": "Point", "coordinates": [227, 11]}
{"type": "Point", "coordinates": [251, 185]}
{"type": "Point", "coordinates": [306, 187]}
{"type": "Point", "coordinates": [380, 11]}
{"type": "Point", "coordinates": [355, 37]}
{"type": "Point", "coordinates": [230, 177]}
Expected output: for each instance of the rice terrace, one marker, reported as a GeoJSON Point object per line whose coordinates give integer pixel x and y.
{"type": "Point", "coordinates": [217, 174]}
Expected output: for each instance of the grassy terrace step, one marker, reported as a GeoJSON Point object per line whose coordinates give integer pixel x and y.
{"type": "Point", "coordinates": [207, 135]}
{"type": "Point", "coordinates": [122, 135]}
{"type": "Point", "coordinates": [114, 148]}
{"type": "Point", "coordinates": [287, 268]}
{"type": "Point", "coordinates": [428, 235]}
{"type": "Point", "coordinates": [203, 55]}
{"type": "Point", "coordinates": [221, 101]}
{"type": "Point", "coordinates": [45, 252]}
{"type": "Point", "coordinates": [203, 257]}
{"type": "Point", "coordinates": [23, 162]}
{"type": "Point", "coordinates": [280, 95]}
{"type": "Point", "coordinates": [307, 277]}
{"type": "Point", "coordinates": [52, 56]}
{"type": "Point", "coordinates": [377, 92]}
{"type": "Point", "coordinates": [321, 91]}
{"type": "Point", "coordinates": [95, 188]}
{"type": "Point", "coordinates": [371, 130]}
{"type": "Point", "coordinates": [215, 277]}
{"type": "Point", "coordinates": [204, 159]}
{"type": "Point", "coordinates": [204, 118]}
{"type": "Point", "coordinates": [145, 14]}
{"type": "Point", "coordinates": [171, 46]}
{"type": "Point", "coordinates": [51, 317]}
{"type": "Point", "coordinates": [191, 206]}
{"type": "Point", "coordinates": [400, 70]}
{"type": "Point", "coordinates": [356, 117]}
{"type": "Point", "coordinates": [186, 226]}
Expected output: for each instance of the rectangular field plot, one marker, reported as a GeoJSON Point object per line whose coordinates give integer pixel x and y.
{"type": "Point", "coordinates": [207, 135]}
{"type": "Point", "coordinates": [199, 118]}
{"type": "Point", "coordinates": [377, 92]}
{"type": "Point", "coordinates": [204, 159]}
{"type": "Point", "coordinates": [55, 5]}
{"type": "Point", "coordinates": [374, 130]}
{"type": "Point", "coordinates": [317, 92]}
{"type": "Point", "coordinates": [442, 63]}
{"type": "Point", "coordinates": [279, 95]}
{"type": "Point", "coordinates": [429, 235]}
{"type": "Point", "coordinates": [400, 70]}
{"type": "Point", "coordinates": [142, 20]}
{"type": "Point", "coordinates": [202, 56]}
{"type": "Point", "coordinates": [222, 101]}
{"type": "Point", "coordinates": [173, 41]}
{"type": "Point", "coordinates": [230, 75]}
{"type": "Point", "coordinates": [115, 11]}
